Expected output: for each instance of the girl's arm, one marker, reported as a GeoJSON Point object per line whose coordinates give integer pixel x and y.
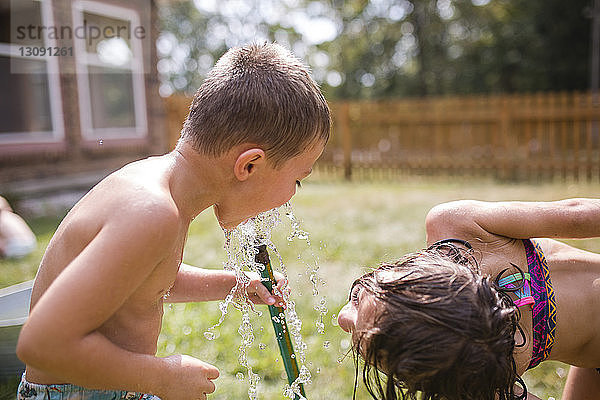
{"type": "Point", "coordinates": [571, 218]}
{"type": "Point", "coordinates": [532, 397]}
{"type": "Point", "coordinates": [582, 384]}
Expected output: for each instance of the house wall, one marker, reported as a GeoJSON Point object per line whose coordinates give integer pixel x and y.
{"type": "Point", "coordinates": [75, 155]}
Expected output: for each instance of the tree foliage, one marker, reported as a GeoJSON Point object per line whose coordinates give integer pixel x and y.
{"type": "Point", "coordinates": [385, 48]}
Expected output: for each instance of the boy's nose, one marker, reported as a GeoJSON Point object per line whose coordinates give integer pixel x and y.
{"type": "Point", "coordinates": [347, 318]}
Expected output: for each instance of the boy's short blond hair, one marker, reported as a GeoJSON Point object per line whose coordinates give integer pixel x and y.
{"type": "Point", "coordinates": [260, 94]}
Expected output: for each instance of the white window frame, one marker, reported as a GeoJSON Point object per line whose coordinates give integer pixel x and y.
{"type": "Point", "coordinates": [135, 66]}
{"type": "Point", "coordinates": [57, 134]}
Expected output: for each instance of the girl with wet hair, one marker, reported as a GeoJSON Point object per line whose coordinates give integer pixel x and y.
{"type": "Point", "coordinates": [466, 317]}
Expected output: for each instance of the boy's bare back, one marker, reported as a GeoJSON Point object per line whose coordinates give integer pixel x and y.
{"type": "Point", "coordinates": [138, 225]}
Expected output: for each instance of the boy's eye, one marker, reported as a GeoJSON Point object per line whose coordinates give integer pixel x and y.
{"type": "Point", "coordinates": [298, 184]}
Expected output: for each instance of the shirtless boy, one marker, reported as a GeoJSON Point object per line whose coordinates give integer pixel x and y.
{"type": "Point", "coordinates": [255, 127]}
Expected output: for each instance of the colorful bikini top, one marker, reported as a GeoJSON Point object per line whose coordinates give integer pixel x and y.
{"type": "Point", "coordinates": [537, 291]}
{"type": "Point", "coordinates": [524, 293]}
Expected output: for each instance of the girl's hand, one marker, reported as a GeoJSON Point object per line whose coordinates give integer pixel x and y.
{"type": "Point", "coordinates": [259, 294]}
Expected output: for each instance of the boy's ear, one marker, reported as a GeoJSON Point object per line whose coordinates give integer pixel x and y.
{"type": "Point", "coordinates": [246, 163]}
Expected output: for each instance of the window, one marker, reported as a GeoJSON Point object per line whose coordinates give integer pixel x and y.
{"type": "Point", "coordinates": [110, 72]}
{"type": "Point", "coordinates": [30, 101]}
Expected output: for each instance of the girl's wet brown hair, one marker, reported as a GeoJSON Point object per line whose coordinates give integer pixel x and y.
{"type": "Point", "coordinates": [259, 94]}
{"type": "Point", "coordinates": [442, 330]}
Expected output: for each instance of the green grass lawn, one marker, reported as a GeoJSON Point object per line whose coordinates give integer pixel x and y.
{"type": "Point", "coordinates": [352, 227]}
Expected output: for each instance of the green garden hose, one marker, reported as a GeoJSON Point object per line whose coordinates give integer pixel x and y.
{"type": "Point", "coordinates": [278, 319]}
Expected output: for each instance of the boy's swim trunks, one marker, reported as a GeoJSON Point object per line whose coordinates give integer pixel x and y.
{"type": "Point", "coordinates": [34, 391]}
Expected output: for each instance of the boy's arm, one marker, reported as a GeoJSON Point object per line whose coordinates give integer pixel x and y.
{"type": "Point", "coordinates": [571, 218]}
{"type": "Point", "coordinates": [198, 284]}
{"type": "Point", "coordinates": [61, 336]}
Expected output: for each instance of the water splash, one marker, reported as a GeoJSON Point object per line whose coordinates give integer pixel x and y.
{"type": "Point", "coordinates": [297, 231]}
{"type": "Point", "coordinates": [240, 248]}
{"type": "Point", "coordinates": [321, 307]}
{"type": "Point", "coordinates": [312, 270]}
{"type": "Point", "coordinates": [293, 390]}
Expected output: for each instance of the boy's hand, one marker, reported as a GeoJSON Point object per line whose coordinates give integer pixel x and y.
{"type": "Point", "coordinates": [259, 294]}
{"type": "Point", "coordinates": [187, 378]}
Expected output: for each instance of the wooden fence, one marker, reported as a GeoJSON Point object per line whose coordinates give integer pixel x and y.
{"type": "Point", "coordinates": [517, 137]}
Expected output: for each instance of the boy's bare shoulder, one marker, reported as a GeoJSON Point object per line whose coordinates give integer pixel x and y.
{"type": "Point", "coordinates": [136, 197]}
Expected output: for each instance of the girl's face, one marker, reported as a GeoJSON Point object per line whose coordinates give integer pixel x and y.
{"type": "Point", "coordinates": [358, 316]}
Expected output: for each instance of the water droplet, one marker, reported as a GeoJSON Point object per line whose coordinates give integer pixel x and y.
{"type": "Point", "coordinates": [326, 344]}
{"type": "Point", "coordinates": [318, 370]}
{"type": "Point", "coordinates": [209, 335]}
{"type": "Point", "coordinates": [334, 320]}
{"type": "Point", "coordinates": [240, 376]}
{"type": "Point", "coordinates": [100, 142]}
{"type": "Point", "coordinates": [262, 346]}
{"type": "Point", "coordinates": [320, 327]}
{"type": "Point", "coordinates": [187, 330]}
{"type": "Point", "coordinates": [344, 344]}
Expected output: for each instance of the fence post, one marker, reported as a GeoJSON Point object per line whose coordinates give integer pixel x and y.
{"type": "Point", "coordinates": [504, 140]}
{"type": "Point", "coordinates": [344, 130]}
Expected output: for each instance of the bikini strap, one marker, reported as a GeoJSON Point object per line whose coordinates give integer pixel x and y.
{"type": "Point", "coordinates": [514, 277]}
{"type": "Point", "coordinates": [451, 240]}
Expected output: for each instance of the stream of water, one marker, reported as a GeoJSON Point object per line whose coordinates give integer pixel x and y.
{"type": "Point", "coordinates": [240, 248]}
